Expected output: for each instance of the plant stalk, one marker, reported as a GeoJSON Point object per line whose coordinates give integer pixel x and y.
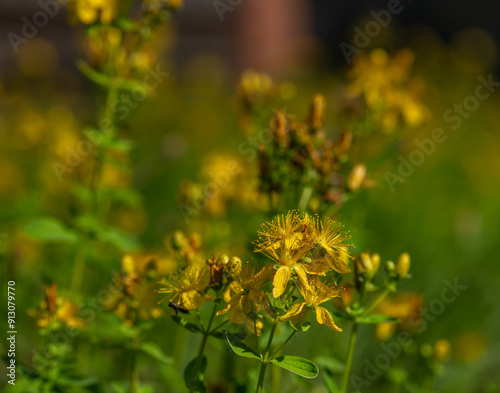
{"type": "Point", "coordinates": [350, 354]}
{"type": "Point", "coordinates": [267, 353]}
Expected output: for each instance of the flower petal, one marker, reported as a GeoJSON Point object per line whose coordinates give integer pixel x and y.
{"type": "Point", "coordinates": [231, 303]}
{"type": "Point", "coordinates": [294, 310]}
{"type": "Point", "coordinates": [301, 274]}
{"type": "Point", "coordinates": [281, 279]}
{"type": "Point", "coordinates": [335, 261]}
{"type": "Point", "coordinates": [323, 317]}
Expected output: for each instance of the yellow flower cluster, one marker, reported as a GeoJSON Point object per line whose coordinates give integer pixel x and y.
{"type": "Point", "coordinates": [301, 248]}
{"type": "Point", "coordinates": [56, 310]}
{"type": "Point", "coordinates": [132, 296]}
{"type": "Point", "coordinates": [387, 89]}
{"type": "Point", "coordinates": [303, 245]}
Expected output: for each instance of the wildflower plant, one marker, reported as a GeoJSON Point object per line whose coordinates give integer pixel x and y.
{"type": "Point", "coordinates": [208, 289]}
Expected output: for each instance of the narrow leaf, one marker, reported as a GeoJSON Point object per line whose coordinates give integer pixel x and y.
{"type": "Point", "coordinates": [185, 324]}
{"type": "Point", "coordinates": [330, 383]}
{"type": "Point", "coordinates": [330, 363]}
{"type": "Point", "coordinates": [303, 367]}
{"type": "Point", "coordinates": [239, 347]}
{"type": "Point", "coordinates": [155, 352]}
{"type": "Point", "coordinates": [195, 382]}
{"type": "Point", "coordinates": [375, 318]}
{"type": "Point", "coordinates": [50, 230]}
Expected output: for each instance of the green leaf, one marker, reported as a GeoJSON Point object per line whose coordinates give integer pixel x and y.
{"type": "Point", "coordinates": [117, 388]}
{"type": "Point", "coordinates": [195, 382]}
{"type": "Point", "coordinates": [93, 75]}
{"type": "Point", "coordinates": [330, 363]}
{"type": "Point", "coordinates": [185, 324]}
{"type": "Point", "coordinates": [376, 318]}
{"type": "Point", "coordinates": [51, 230]}
{"type": "Point", "coordinates": [300, 366]}
{"type": "Point", "coordinates": [303, 327]}
{"type": "Point", "coordinates": [155, 352]}
{"type": "Point", "coordinates": [330, 383]}
{"type": "Point", "coordinates": [218, 335]}
{"type": "Point", "coordinates": [120, 240]}
{"type": "Point", "coordinates": [240, 348]}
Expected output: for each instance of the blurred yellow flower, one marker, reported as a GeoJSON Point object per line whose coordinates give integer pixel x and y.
{"type": "Point", "coordinates": [244, 294]}
{"type": "Point", "coordinates": [55, 310]}
{"type": "Point", "coordinates": [187, 286]}
{"type": "Point", "coordinates": [315, 294]}
{"type": "Point", "coordinates": [90, 11]}
{"type": "Point", "coordinates": [386, 87]}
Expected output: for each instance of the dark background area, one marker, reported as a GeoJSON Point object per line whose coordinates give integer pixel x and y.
{"type": "Point", "coordinates": [199, 28]}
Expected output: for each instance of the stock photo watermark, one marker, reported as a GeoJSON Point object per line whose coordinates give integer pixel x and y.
{"type": "Point", "coordinates": [31, 26]}
{"type": "Point", "coordinates": [372, 28]}
{"type": "Point", "coordinates": [453, 116]}
{"type": "Point", "coordinates": [419, 320]}
{"type": "Point", "coordinates": [223, 6]}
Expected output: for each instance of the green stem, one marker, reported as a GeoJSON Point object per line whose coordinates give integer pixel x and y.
{"type": "Point", "coordinates": [134, 375]}
{"type": "Point", "coordinates": [79, 263]}
{"type": "Point", "coordinates": [282, 345]}
{"type": "Point", "coordinates": [377, 301]}
{"type": "Point", "coordinates": [305, 197]}
{"type": "Point", "coordinates": [219, 326]}
{"type": "Point", "coordinates": [267, 353]}
{"type": "Point", "coordinates": [206, 334]}
{"type": "Point", "coordinates": [350, 355]}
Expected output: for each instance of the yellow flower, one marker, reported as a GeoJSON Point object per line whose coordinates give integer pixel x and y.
{"type": "Point", "coordinates": [244, 294]}
{"type": "Point", "coordinates": [57, 309]}
{"type": "Point", "coordinates": [89, 11]}
{"type": "Point", "coordinates": [187, 287]}
{"type": "Point", "coordinates": [316, 294]}
{"type": "Point", "coordinates": [292, 242]}
{"type": "Point", "coordinates": [329, 236]}
{"type": "Point", "coordinates": [404, 306]}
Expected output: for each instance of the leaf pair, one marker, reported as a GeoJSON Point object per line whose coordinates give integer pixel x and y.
{"type": "Point", "coordinates": [300, 366]}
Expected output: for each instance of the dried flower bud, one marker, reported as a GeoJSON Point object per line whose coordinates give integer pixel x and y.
{"type": "Point", "coordinates": [217, 268]}
{"type": "Point", "coordinates": [279, 127]}
{"type": "Point", "coordinates": [317, 113]}
{"type": "Point", "coordinates": [50, 298]}
{"type": "Point", "coordinates": [442, 350]}
{"type": "Point", "coordinates": [402, 266]}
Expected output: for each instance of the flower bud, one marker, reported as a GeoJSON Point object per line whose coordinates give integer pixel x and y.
{"type": "Point", "coordinates": [442, 350]}
{"type": "Point", "coordinates": [356, 177]}
{"type": "Point", "coordinates": [402, 265]}
{"type": "Point", "coordinates": [389, 267]}
{"type": "Point", "coordinates": [234, 266]}
{"type": "Point", "coordinates": [376, 263]}
{"type": "Point", "coordinates": [178, 240]}
{"type": "Point", "coordinates": [364, 265]}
